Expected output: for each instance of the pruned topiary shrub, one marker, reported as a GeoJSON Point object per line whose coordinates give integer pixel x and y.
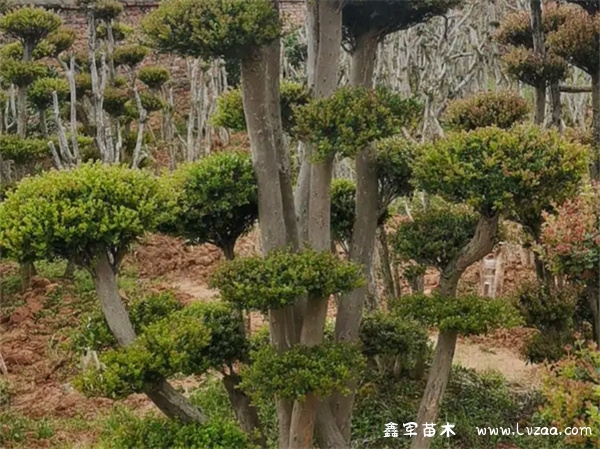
{"type": "Point", "coordinates": [319, 370]}
{"type": "Point", "coordinates": [272, 282]}
{"type": "Point", "coordinates": [352, 118]}
{"type": "Point", "coordinates": [465, 314]}
{"type": "Point", "coordinates": [434, 237]}
{"type": "Point", "coordinates": [394, 344]}
{"type": "Point", "coordinates": [154, 77]}
{"type": "Point", "coordinates": [91, 215]}
{"type": "Point", "coordinates": [130, 55]}
{"type": "Point", "coordinates": [343, 193]}
{"type": "Point", "coordinates": [22, 151]}
{"type": "Point", "coordinates": [571, 391]}
{"type": "Point", "coordinates": [212, 28]}
{"type": "Point", "coordinates": [29, 25]}
{"type": "Point", "coordinates": [230, 108]}
{"type": "Point", "coordinates": [502, 109]}
{"type": "Point", "coordinates": [531, 68]}
{"type": "Point", "coordinates": [125, 430]}
{"type": "Point", "coordinates": [505, 169]}
{"type": "Point", "coordinates": [216, 200]}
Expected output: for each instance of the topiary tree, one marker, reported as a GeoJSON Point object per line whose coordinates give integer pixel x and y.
{"type": "Point", "coordinates": [92, 215]}
{"type": "Point", "coordinates": [40, 96]}
{"type": "Point", "coordinates": [569, 245]}
{"type": "Point", "coordinates": [528, 58]}
{"type": "Point", "coordinates": [494, 171]}
{"type": "Point", "coordinates": [577, 40]}
{"type": "Point", "coordinates": [28, 25]}
{"type": "Point", "coordinates": [501, 109]}
{"type": "Point", "coordinates": [216, 200]}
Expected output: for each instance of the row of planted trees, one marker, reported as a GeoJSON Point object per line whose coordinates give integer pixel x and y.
{"type": "Point", "coordinates": [489, 167]}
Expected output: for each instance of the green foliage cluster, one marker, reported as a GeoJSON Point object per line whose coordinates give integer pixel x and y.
{"type": "Point", "coordinates": [120, 31]}
{"type": "Point", "coordinates": [492, 169]}
{"type": "Point", "coordinates": [435, 236]}
{"type": "Point", "coordinates": [388, 334]}
{"type": "Point", "coordinates": [572, 394]}
{"type": "Point", "coordinates": [551, 311]}
{"type": "Point", "coordinates": [115, 100]}
{"type": "Point", "coordinates": [394, 157]}
{"type": "Point", "coordinates": [361, 17]}
{"type": "Point", "coordinates": [94, 333]}
{"type": "Point", "coordinates": [167, 347]}
{"type": "Point", "coordinates": [343, 198]}
{"type": "Point", "coordinates": [59, 41]}
{"type": "Point", "coordinates": [352, 118]}
{"type": "Point", "coordinates": [29, 24]}
{"type": "Point", "coordinates": [212, 28]}
{"type": "Point", "coordinates": [466, 314]}
{"type": "Point", "coordinates": [22, 73]}
{"type": "Point", "coordinates": [40, 92]}
{"type": "Point", "coordinates": [321, 370]}
{"type": "Point", "coordinates": [126, 430]}
{"type": "Point", "coordinates": [577, 41]}
{"type": "Point", "coordinates": [154, 77]}
{"type": "Point", "coordinates": [78, 213]}
{"type": "Point", "coordinates": [515, 29]}
{"type": "Point", "coordinates": [215, 200]}
{"type": "Point", "coordinates": [281, 277]}
{"type": "Point", "coordinates": [531, 68]}
{"type": "Point", "coordinates": [106, 10]}
{"type": "Point", "coordinates": [22, 151]}
{"type": "Point", "coordinates": [230, 107]}
{"type": "Point", "coordinates": [488, 108]}
{"type": "Point", "coordinates": [130, 55]}
{"type": "Point", "coordinates": [545, 308]}
{"type": "Point", "coordinates": [151, 102]}
{"type": "Point", "coordinates": [295, 51]}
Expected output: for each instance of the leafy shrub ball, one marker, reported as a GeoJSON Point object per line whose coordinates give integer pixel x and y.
{"type": "Point", "coordinates": [352, 118]}
{"type": "Point", "coordinates": [467, 315]}
{"type": "Point", "coordinates": [502, 109]}
{"type": "Point", "coordinates": [212, 28]}
{"type": "Point", "coordinates": [281, 278]}
{"type": "Point", "coordinates": [320, 370]}
{"type": "Point", "coordinates": [78, 213]}
{"type": "Point", "coordinates": [29, 24]}
{"type": "Point", "coordinates": [215, 200]}
{"type": "Point", "coordinates": [493, 169]}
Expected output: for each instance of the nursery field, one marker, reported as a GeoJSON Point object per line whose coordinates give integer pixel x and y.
{"type": "Point", "coordinates": [298, 224]}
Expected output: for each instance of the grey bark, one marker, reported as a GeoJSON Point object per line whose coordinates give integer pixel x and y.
{"type": "Point", "coordinates": [538, 48]}
{"type": "Point", "coordinates": [556, 107]}
{"type": "Point", "coordinates": [245, 413]}
{"type": "Point", "coordinates": [479, 246]}
{"type": "Point", "coordinates": [162, 394]}
{"type": "Point", "coordinates": [364, 230]}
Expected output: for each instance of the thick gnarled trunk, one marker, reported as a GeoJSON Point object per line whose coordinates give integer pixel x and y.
{"type": "Point", "coordinates": [480, 245]}
{"type": "Point", "coordinates": [162, 394]}
{"type": "Point", "coordinates": [245, 412]}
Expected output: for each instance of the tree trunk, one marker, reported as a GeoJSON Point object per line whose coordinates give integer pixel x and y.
{"type": "Point", "coordinates": [26, 274]}
{"type": "Point", "coordinates": [539, 49]}
{"type": "Point", "coordinates": [479, 246]}
{"type": "Point", "coordinates": [556, 107]}
{"type": "Point", "coordinates": [436, 386]}
{"type": "Point", "coordinates": [390, 288]}
{"type": "Point", "coordinates": [162, 394]}
{"type": "Point", "coordinates": [595, 169]}
{"type": "Point", "coordinates": [364, 231]}
{"type": "Point", "coordinates": [22, 112]}
{"type": "Point", "coordinates": [270, 202]}
{"type": "Point", "coordinates": [593, 296]}
{"type": "Point", "coordinates": [69, 270]}
{"type": "Point", "coordinates": [245, 412]}
{"type": "Point", "coordinates": [43, 123]}
{"type": "Point", "coordinates": [228, 250]}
